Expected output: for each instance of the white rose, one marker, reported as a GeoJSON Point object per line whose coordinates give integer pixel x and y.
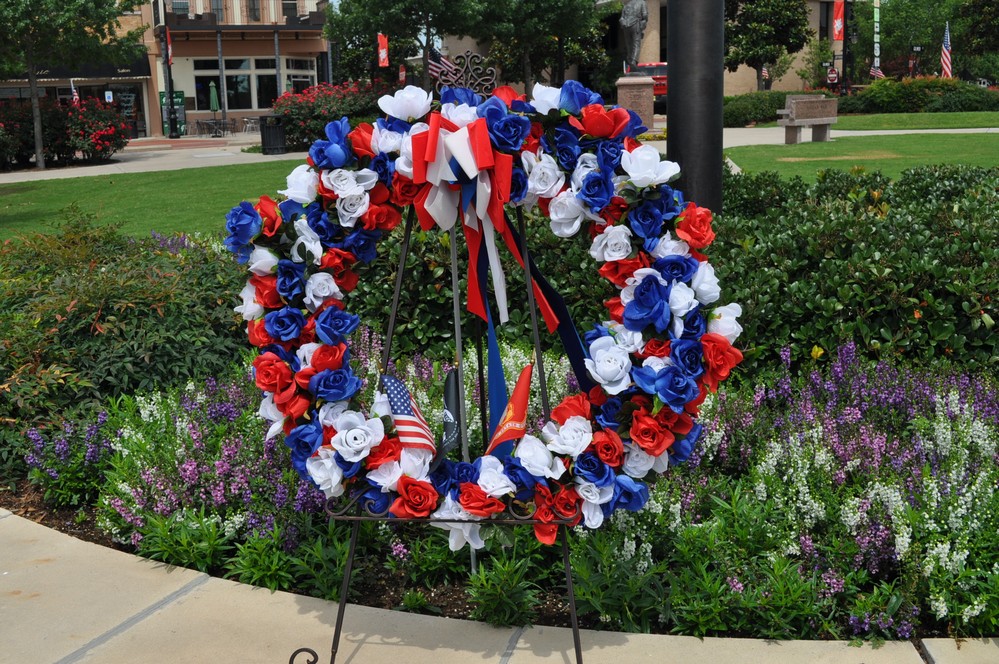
{"type": "Point", "coordinates": [645, 169]}
{"type": "Point", "coordinates": [629, 340]}
{"type": "Point", "coordinates": [381, 407]}
{"type": "Point", "coordinates": [319, 288]}
{"type": "Point", "coordinates": [657, 364]}
{"type": "Point", "coordinates": [386, 476]}
{"type": "Point", "coordinates": [628, 292]}
{"type": "Point", "coordinates": [410, 103]}
{"type": "Point", "coordinates": [383, 140]}
{"type": "Point", "coordinates": [269, 411]}
{"type": "Point", "coordinates": [416, 463]}
{"type": "Point", "coordinates": [341, 181]}
{"type": "Point", "coordinates": [610, 366]}
{"type": "Point", "coordinates": [612, 245]}
{"type": "Point", "coordinates": [566, 214]}
{"type": "Point", "coordinates": [305, 352]}
{"type": "Point", "coordinates": [350, 208]}
{"type": "Point", "coordinates": [307, 244]}
{"type": "Point", "coordinates": [681, 301]}
{"type": "Point", "coordinates": [544, 176]}
{"type": "Point", "coordinates": [571, 438]}
{"type": "Point", "coordinates": [586, 164]}
{"type": "Point", "coordinates": [467, 532]}
{"type": "Point", "coordinates": [537, 460]}
{"type": "Point", "coordinates": [637, 463]}
{"type": "Point", "coordinates": [593, 497]}
{"type": "Point", "coordinates": [545, 98]}
{"type": "Point", "coordinates": [705, 284]}
{"type": "Point", "coordinates": [492, 479]}
{"type": "Point", "coordinates": [404, 162]}
{"type": "Point", "coordinates": [325, 472]}
{"type": "Point", "coordinates": [667, 246]}
{"type": "Point", "coordinates": [355, 435]}
{"type": "Point", "coordinates": [303, 182]}
{"type": "Point", "coordinates": [330, 411]}
{"type": "Point", "coordinates": [263, 261]}
{"type": "Point", "coordinates": [250, 309]}
{"type": "Point", "coordinates": [459, 114]}
{"type": "Point", "coordinates": [724, 321]}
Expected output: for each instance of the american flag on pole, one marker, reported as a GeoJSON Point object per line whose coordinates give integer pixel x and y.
{"type": "Point", "coordinates": [876, 72]}
{"type": "Point", "coordinates": [74, 93]}
{"type": "Point", "coordinates": [412, 428]}
{"type": "Point", "coordinates": [438, 64]}
{"type": "Point", "coordinates": [765, 73]}
{"type": "Point", "coordinates": [945, 68]}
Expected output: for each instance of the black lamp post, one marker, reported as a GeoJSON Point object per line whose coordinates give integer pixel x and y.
{"type": "Point", "coordinates": [167, 69]}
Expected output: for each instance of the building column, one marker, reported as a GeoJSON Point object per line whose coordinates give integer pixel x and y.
{"type": "Point", "coordinates": [650, 42]}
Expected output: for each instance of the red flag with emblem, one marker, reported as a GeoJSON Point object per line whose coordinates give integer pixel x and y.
{"type": "Point", "coordinates": [514, 423]}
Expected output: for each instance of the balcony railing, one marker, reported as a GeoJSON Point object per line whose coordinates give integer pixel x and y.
{"type": "Point", "coordinates": [246, 12]}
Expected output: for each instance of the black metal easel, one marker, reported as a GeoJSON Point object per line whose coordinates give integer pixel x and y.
{"type": "Point", "coordinates": [357, 510]}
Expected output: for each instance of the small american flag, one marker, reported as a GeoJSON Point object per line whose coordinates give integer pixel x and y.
{"type": "Point", "coordinates": [765, 74]}
{"type": "Point", "coordinates": [412, 428]}
{"type": "Point", "coordinates": [945, 68]}
{"type": "Point", "coordinates": [876, 72]}
{"type": "Point", "coordinates": [74, 93]}
{"type": "Point", "coordinates": [438, 64]}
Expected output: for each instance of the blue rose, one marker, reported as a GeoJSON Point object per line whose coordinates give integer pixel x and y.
{"type": "Point", "coordinates": [462, 472]}
{"type": "Point", "coordinates": [521, 478]}
{"type": "Point", "coordinates": [687, 355]}
{"type": "Point", "coordinates": [349, 468]}
{"type": "Point", "coordinates": [451, 95]}
{"type": "Point", "coordinates": [393, 124]}
{"type": "Point", "coordinates": [646, 379]}
{"type": "Point", "coordinates": [575, 96]}
{"type": "Point", "coordinates": [284, 324]}
{"type": "Point", "coordinates": [629, 494]}
{"type": "Point", "coordinates": [609, 154]}
{"type": "Point", "coordinates": [592, 335]}
{"type": "Point", "coordinates": [681, 449]}
{"type": "Point", "coordinates": [521, 106]}
{"type": "Point", "coordinates": [335, 384]}
{"type": "Point", "coordinates": [506, 130]}
{"type": "Point", "coordinates": [676, 268]}
{"type": "Point", "coordinates": [589, 467]}
{"type": "Point", "coordinates": [607, 417]}
{"type": "Point", "coordinates": [675, 388]}
{"type": "Point", "coordinates": [304, 440]}
{"type": "Point", "coordinates": [596, 191]}
{"type": "Point", "coordinates": [334, 152]}
{"type": "Point", "coordinates": [290, 210]}
{"type": "Point", "coordinates": [330, 233]}
{"type": "Point", "coordinates": [694, 325]}
{"type": "Point", "coordinates": [384, 166]}
{"type": "Point", "coordinates": [566, 147]}
{"type": "Point", "coordinates": [672, 201]}
{"type": "Point", "coordinates": [290, 279]}
{"type": "Point", "coordinates": [646, 219]}
{"type": "Point", "coordinates": [518, 184]}
{"type": "Point", "coordinates": [650, 306]}
{"type": "Point", "coordinates": [333, 325]}
{"type": "Point", "coordinates": [375, 501]}
{"type": "Point", "coordinates": [441, 477]}
{"type": "Point", "coordinates": [363, 244]}
{"type": "Point", "coordinates": [243, 224]}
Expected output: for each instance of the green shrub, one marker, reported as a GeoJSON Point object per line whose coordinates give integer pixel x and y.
{"type": "Point", "coordinates": [855, 104]}
{"type": "Point", "coordinates": [188, 538]}
{"type": "Point", "coordinates": [262, 561]}
{"type": "Point", "coordinates": [502, 593]}
{"type": "Point", "coordinates": [929, 94]}
{"type": "Point", "coordinates": [904, 268]}
{"type": "Point", "coordinates": [95, 129]}
{"type": "Point", "coordinates": [741, 110]}
{"type": "Point", "coordinates": [69, 462]}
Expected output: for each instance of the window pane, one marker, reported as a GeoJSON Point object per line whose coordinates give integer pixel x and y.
{"type": "Point", "coordinates": [266, 90]}
{"type": "Point", "coordinates": [203, 65]}
{"type": "Point", "coordinates": [297, 63]}
{"type": "Point", "coordinates": [264, 63]}
{"type": "Point", "coordinates": [201, 91]}
{"type": "Point", "coordinates": [289, 8]}
{"type": "Point", "coordinates": [237, 90]}
{"type": "Point", "coordinates": [253, 10]}
{"type": "Point", "coordinates": [237, 64]}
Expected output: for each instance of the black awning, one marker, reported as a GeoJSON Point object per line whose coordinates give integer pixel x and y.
{"type": "Point", "coordinates": [137, 68]}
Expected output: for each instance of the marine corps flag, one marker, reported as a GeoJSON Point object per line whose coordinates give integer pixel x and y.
{"type": "Point", "coordinates": [514, 423]}
{"type": "Point", "coordinates": [383, 50]}
{"type": "Point", "coordinates": [839, 17]}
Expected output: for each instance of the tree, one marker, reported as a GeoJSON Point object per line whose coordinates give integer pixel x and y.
{"type": "Point", "coordinates": [63, 32]}
{"type": "Point", "coordinates": [904, 24]}
{"type": "Point", "coordinates": [979, 26]}
{"type": "Point", "coordinates": [355, 24]}
{"type": "Point", "coordinates": [529, 37]}
{"type": "Point", "coordinates": [759, 32]}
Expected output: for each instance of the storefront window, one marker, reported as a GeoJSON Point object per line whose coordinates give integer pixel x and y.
{"type": "Point", "coordinates": [202, 65]}
{"type": "Point", "coordinates": [202, 91]}
{"type": "Point", "coordinates": [236, 64]}
{"type": "Point", "coordinates": [237, 90]}
{"type": "Point", "coordinates": [266, 90]}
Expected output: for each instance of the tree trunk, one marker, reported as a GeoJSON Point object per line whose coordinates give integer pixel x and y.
{"type": "Point", "coordinates": [759, 79]}
{"type": "Point", "coordinates": [559, 77]}
{"type": "Point", "coordinates": [36, 111]}
{"type": "Point", "coordinates": [525, 62]}
{"type": "Point", "coordinates": [426, 57]}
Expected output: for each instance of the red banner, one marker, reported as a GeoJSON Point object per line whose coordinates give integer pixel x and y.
{"type": "Point", "coordinates": [382, 50]}
{"type": "Point", "coordinates": [839, 14]}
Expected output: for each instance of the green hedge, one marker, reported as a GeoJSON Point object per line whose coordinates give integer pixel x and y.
{"type": "Point", "coordinates": [917, 95]}
{"type": "Point", "coordinates": [906, 268]}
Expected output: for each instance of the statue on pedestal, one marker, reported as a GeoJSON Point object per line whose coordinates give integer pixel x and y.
{"type": "Point", "coordinates": [634, 17]}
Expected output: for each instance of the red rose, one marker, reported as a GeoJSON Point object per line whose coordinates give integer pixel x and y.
{"type": "Point", "coordinates": [609, 447]}
{"type": "Point", "coordinates": [328, 356]}
{"type": "Point", "coordinates": [544, 530]}
{"type": "Point", "coordinates": [404, 190]}
{"type": "Point", "coordinates": [577, 404]}
{"type": "Point", "coordinates": [719, 358]}
{"type": "Point", "coordinates": [303, 376]}
{"type": "Point", "coordinates": [615, 309]}
{"type": "Point", "coordinates": [266, 291]}
{"type": "Point", "coordinates": [694, 227]}
{"type": "Point", "coordinates": [381, 217]}
{"type": "Point", "coordinates": [648, 434]}
{"type": "Point", "coordinates": [677, 423]}
{"type": "Point", "coordinates": [566, 505]}
{"type": "Point", "coordinates": [618, 272]}
{"type": "Point", "coordinates": [597, 396]}
{"type": "Point", "coordinates": [693, 407]}
{"type": "Point", "coordinates": [533, 141]}
{"type": "Point", "coordinates": [328, 195]}
{"type": "Point", "coordinates": [292, 403]}
{"type": "Point", "coordinates": [258, 334]}
{"type": "Point", "coordinates": [360, 140]}
{"type": "Point", "coordinates": [268, 210]}
{"type": "Point", "coordinates": [476, 501]}
{"type": "Point", "coordinates": [655, 348]}
{"type": "Point", "coordinates": [338, 262]}
{"type": "Point", "coordinates": [598, 122]}
{"type": "Point", "coordinates": [630, 144]}
{"type": "Point", "coordinates": [416, 499]}
{"type": "Point", "coordinates": [271, 373]}
{"type": "Point", "coordinates": [612, 211]}
{"type": "Point", "coordinates": [379, 194]}
{"type": "Point", "coordinates": [384, 452]}
{"type": "Point", "coordinates": [508, 95]}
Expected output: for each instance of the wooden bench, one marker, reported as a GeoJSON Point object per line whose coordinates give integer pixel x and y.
{"type": "Point", "coordinates": [813, 111]}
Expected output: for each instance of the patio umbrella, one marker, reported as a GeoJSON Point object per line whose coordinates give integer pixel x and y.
{"type": "Point", "coordinates": [213, 103]}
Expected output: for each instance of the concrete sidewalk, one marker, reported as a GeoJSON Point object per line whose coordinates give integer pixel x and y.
{"type": "Point", "coordinates": [63, 601]}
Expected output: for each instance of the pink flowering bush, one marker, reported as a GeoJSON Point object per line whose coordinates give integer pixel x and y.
{"type": "Point", "coordinates": [95, 129]}
{"type": "Point", "coordinates": [306, 113]}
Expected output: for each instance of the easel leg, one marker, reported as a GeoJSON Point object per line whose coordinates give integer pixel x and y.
{"type": "Point", "coordinates": [572, 595]}
{"type": "Point", "coordinates": [344, 589]}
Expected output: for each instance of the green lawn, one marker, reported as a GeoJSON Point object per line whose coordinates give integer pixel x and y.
{"type": "Point", "coordinates": [885, 121]}
{"type": "Point", "coordinates": [889, 154]}
{"type": "Point", "coordinates": [188, 201]}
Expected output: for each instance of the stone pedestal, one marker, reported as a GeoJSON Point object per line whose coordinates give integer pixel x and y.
{"type": "Point", "coordinates": [635, 93]}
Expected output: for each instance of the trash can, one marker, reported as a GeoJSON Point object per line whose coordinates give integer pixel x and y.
{"type": "Point", "coordinates": [272, 139]}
